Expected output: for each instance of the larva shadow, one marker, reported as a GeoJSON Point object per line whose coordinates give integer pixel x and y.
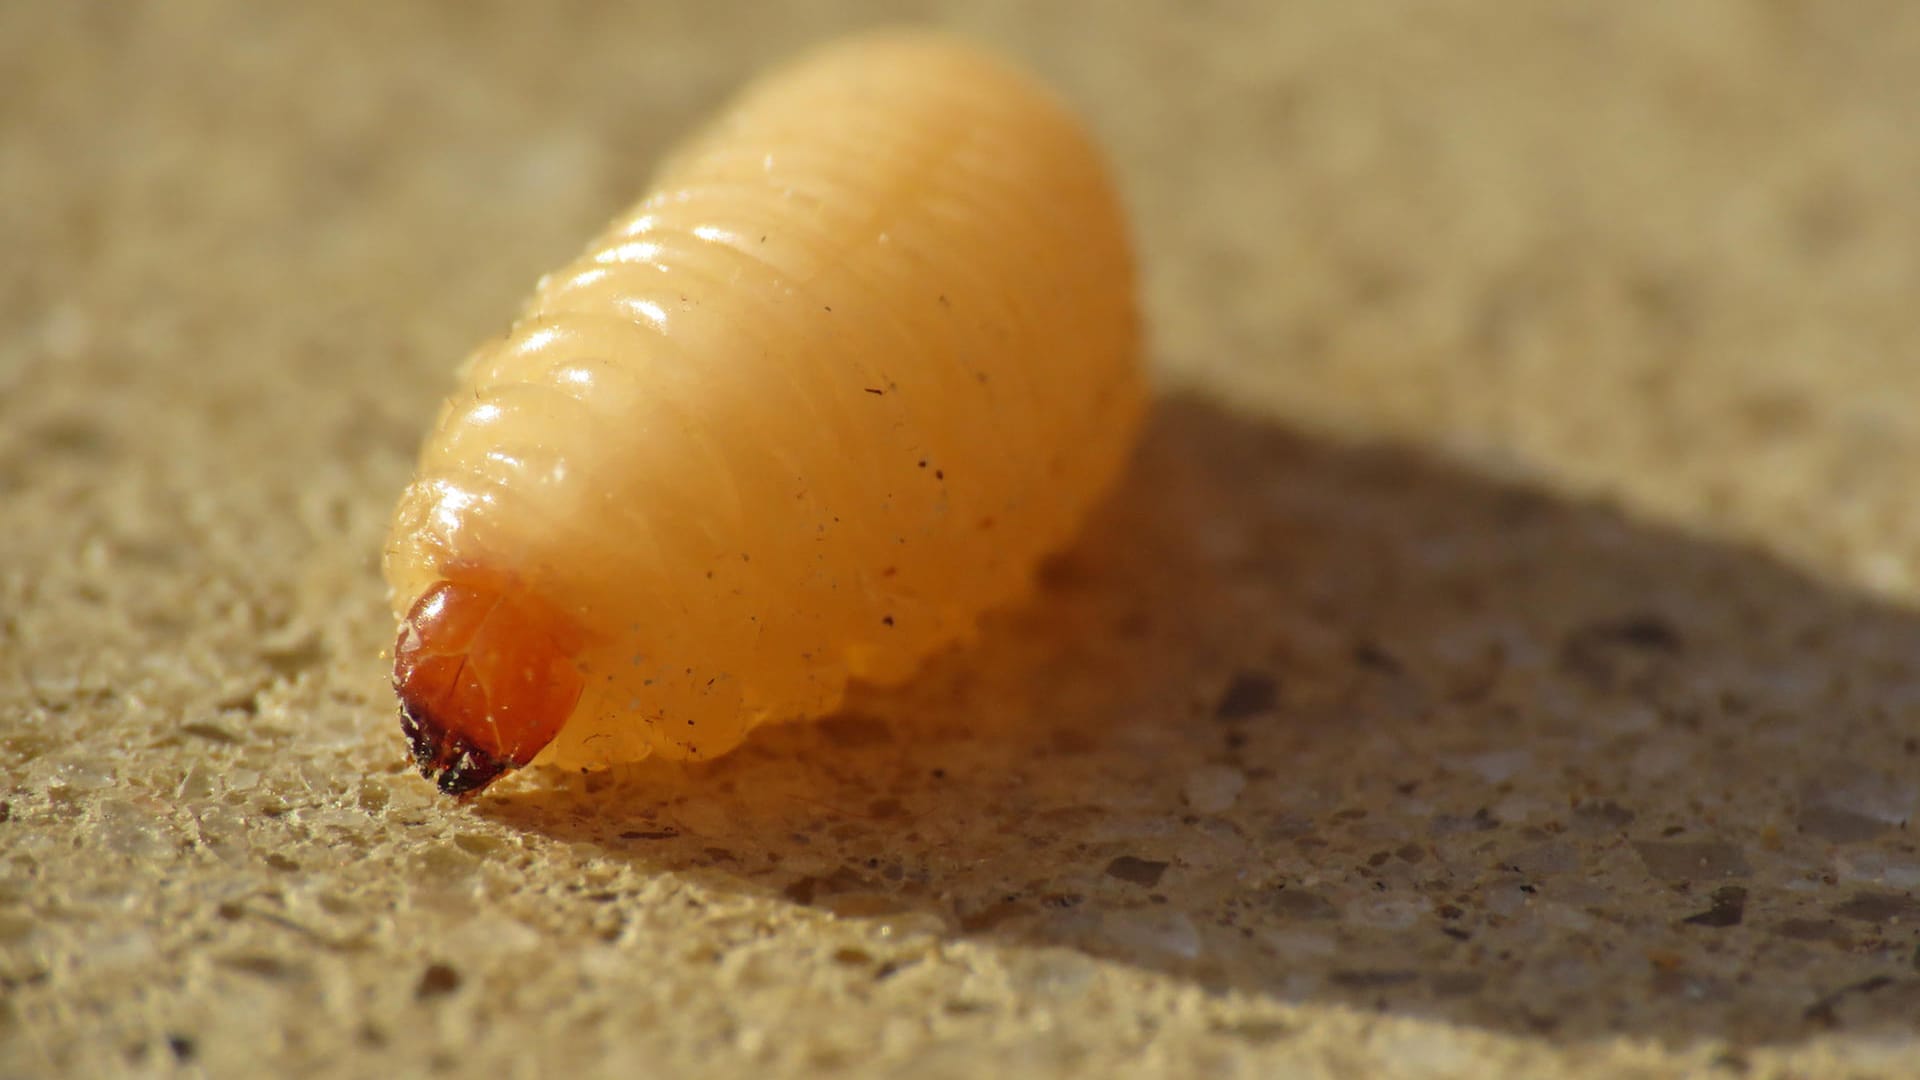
{"type": "Point", "coordinates": [1354, 725]}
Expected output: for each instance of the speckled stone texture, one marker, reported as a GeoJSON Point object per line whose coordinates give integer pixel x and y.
{"type": "Point", "coordinates": [1502, 659]}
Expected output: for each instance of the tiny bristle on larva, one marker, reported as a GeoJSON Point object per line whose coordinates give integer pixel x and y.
{"type": "Point", "coordinates": [862, 355]}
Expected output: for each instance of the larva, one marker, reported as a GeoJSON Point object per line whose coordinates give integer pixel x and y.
{"type": "Point", "coordinates": [860, 358]}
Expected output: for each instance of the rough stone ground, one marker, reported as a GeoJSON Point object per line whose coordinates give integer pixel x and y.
{"type": "Point", "coordinates": [1502, 659]}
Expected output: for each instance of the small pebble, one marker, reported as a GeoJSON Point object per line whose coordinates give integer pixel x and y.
{"type": "Point", "coordinates": [438, 980]}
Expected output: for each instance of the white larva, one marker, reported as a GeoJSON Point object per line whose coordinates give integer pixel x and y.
{"type": "Point", "coordinates": [862, 356]}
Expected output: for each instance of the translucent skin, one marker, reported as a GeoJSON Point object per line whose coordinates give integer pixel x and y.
{"type": "Point", "coordinates": [864, 355]}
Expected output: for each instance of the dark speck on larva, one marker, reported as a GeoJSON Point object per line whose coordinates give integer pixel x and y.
{"type": "Point", "coordinates": [1137, 871]}
{"type": "Point", "coordinates": [1250, 693]}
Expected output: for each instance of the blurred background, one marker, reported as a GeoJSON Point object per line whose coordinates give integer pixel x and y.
{"type": "Point", "coordinates": [1535, 468]}
{"type": "Point", "coordinates": [1559, 237]}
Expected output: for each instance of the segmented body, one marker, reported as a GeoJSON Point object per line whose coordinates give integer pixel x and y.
{"type": "Point", "coordinates": [862, 356]}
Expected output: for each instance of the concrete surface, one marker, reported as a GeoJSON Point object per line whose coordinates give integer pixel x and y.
{"type": "Point", "coordinates": [1501, 661]}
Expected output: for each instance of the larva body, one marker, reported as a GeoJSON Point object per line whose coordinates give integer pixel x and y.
{"type": "Point", "coordinates": [864, 354]}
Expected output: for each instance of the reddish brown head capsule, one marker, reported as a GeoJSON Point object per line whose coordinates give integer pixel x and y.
{"type": "Point", "coordinates": [485, 678]}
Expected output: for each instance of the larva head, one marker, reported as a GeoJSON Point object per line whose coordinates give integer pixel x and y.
{"type": "Point", "coordinates": [486, 679]}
